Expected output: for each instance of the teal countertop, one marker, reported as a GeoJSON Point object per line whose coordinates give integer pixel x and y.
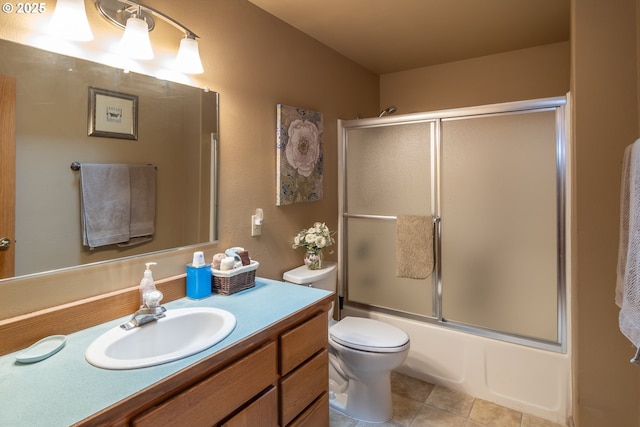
{"type": "Point", "coordinates": [65, 388]}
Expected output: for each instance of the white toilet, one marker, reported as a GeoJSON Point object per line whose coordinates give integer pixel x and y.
{"type": "Point", "coordinates": [362, 354]}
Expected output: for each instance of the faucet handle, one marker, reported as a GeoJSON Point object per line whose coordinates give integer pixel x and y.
{"type": "Point", "coordinates": [152, 298]}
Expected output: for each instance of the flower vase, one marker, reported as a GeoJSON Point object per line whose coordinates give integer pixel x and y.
{"type": "Point", "coordinates": [313, 259]}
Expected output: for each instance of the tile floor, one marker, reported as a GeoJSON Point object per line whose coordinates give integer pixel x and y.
{"type": "Point", "coordinates": [420, 404]}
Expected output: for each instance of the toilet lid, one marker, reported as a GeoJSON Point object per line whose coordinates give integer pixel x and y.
{"type": "Point", "coordinates": [369, 335]}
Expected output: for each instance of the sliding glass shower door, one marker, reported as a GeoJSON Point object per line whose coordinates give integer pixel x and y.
{"type": "Point", "coordinates": [389, 173]}
{"type": "Point", "coordinates": [493, 178]}
{"type": "Point", "coordinates": [499, 263]}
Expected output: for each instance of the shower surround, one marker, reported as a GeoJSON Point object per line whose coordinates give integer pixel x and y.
{"type": "Point", "coordinates": [491, 320]}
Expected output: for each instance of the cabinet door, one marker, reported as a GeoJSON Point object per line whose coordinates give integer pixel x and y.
{"type": "Point", "coordinates": [263, 412]}
{"type": "Point", "coordinates": [219, 395]}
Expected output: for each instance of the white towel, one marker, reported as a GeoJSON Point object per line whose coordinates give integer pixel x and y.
{"type": "Point", "coordinates": [628, 271]}
{"type": "Point", "coordinates": [142, 179]}
{"type": "Point", "coordinates": [104, 204]}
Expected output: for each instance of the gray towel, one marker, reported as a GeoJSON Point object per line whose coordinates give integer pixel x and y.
{"type": "Point", "coordinates": [142, 179]}
{"type": "Point", "coordinates": [414, 246]}
{"type": "Point", "coordinates": [134, 241]}
{"type": "Point", "coordinates": [104, 203]}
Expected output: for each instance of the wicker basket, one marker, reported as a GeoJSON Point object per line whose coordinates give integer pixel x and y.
{"type": "Point", "coordinates": [236, 280]}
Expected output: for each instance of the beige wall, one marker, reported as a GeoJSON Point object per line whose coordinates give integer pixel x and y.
{"type": "Point", "coordinates": [254, 61]}
{"type": "Point", "coordinates": [257, 62]}
{"type": "Point", "coordinates": [605, 89]}
{"type": "Point", "coordinates": [538, 72]}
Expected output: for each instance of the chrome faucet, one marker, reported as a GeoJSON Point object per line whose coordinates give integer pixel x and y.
{"type": "Point", "coordinates": [149, 311]}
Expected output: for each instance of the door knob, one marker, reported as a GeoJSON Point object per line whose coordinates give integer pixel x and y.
{"type": "Point", "coordinates": [5, 243]}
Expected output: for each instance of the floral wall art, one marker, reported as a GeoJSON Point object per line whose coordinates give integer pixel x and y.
{"type": "Point", "coordinates": [299, 155]}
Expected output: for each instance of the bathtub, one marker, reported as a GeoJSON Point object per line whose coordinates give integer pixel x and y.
{"type": "Point", "coordinates": [530, 380]}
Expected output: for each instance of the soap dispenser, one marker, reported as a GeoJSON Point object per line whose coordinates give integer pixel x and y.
{"type": "Point", "coordinates": [147, 286]}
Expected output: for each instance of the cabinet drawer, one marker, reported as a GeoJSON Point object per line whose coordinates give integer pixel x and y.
{"type": "Point", "coordinates": [263, 412]}
{"type": "Point", "coordinates": [316, 415]}
{"type": "Point", "coordinates": [209, 401]}
{"type": "Point", "coordinates": [302, 342]}
{"type": "Point", "coordinates": [302, 386]}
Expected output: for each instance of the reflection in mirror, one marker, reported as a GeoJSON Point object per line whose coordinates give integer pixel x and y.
{"type": "Point", "coordinates": [177, 132]}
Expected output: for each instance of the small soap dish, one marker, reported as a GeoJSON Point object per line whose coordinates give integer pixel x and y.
{"type": "Point", "coordinates": [44, 348]}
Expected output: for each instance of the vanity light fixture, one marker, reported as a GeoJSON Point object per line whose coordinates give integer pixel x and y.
{"type": "Point", "coordinates": [69, 21]}
{"type": "Point", "coordinates": [138, 20]}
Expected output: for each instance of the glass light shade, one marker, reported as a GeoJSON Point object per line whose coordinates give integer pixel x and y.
{"type": "Point", "coordinates": [135, 42]}
{"type": "Point", "coordinates": [188, 58]}
{"type": "Point", "coordinates": [70, 22]}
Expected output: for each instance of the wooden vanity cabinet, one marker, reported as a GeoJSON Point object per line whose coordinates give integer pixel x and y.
{"type": "Point", "coordinates": [277, 377]}
{"type": "Point", "coordinates": [211, 400]}
{"type": "Point", "coordinates": [304, 373]}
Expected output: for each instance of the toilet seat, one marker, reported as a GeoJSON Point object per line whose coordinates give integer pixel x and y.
{"type": "Point", "coordinates": [369, 335]}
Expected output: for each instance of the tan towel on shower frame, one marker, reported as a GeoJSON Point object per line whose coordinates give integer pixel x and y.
{"type": "Point", "coordinates": [414, 246]}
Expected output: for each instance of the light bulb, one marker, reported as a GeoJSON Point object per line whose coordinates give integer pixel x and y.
{"type": "Point", "coordinates": [70, 22]}
{"type": "Point", "coordinates": [188, 58]}
{"type": "Point", "coordinates": [135, 42]}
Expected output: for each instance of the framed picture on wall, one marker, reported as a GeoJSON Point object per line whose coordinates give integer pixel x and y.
{"type": "Point", "coordinates": [112, 114]}
{"type": "Point", "coordinates": [300, 157]}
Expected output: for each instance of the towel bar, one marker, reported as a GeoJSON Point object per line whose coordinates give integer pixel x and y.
{"type": "Point", "coordinates": [75, 166]}
{"type": "Point", "coordinates": [436, 219]}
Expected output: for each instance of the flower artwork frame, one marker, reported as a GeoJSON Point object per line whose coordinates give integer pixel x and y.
{"type": "Point", "coordinates": [112, 114]}
{"type": "Point", "coordinates": [300, 155]}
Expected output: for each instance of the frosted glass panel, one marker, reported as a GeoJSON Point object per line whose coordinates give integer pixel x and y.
{"type": "Point", "coordinates": [388, 174]}
{"type": "Point", "coordinates": [372, 267]}
{"type": "Point", "coordinates": [389, 170]}
{"type": "Point", "coordinates": [499, 223]}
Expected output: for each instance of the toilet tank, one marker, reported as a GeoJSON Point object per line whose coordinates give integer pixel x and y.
{"type": "Point", "coordinates": [324, 278]}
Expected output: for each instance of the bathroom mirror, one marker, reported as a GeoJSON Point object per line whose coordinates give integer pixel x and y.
{"type": "Point", "coordinates": [177, 133]}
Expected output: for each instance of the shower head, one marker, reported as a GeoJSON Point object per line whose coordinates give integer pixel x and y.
{"type": "Point", "coordinates": [389, 110]}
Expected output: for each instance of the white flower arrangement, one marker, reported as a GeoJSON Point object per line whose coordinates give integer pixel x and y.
{"type": "Point", "coordinates": [315, 238]}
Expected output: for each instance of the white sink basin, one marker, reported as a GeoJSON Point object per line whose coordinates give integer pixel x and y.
{"type": "Point", "coordinates": [183, 332]}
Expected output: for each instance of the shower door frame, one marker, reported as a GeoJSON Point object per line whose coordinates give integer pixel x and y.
{"type": "Point", "coordinates": [557, 104]}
